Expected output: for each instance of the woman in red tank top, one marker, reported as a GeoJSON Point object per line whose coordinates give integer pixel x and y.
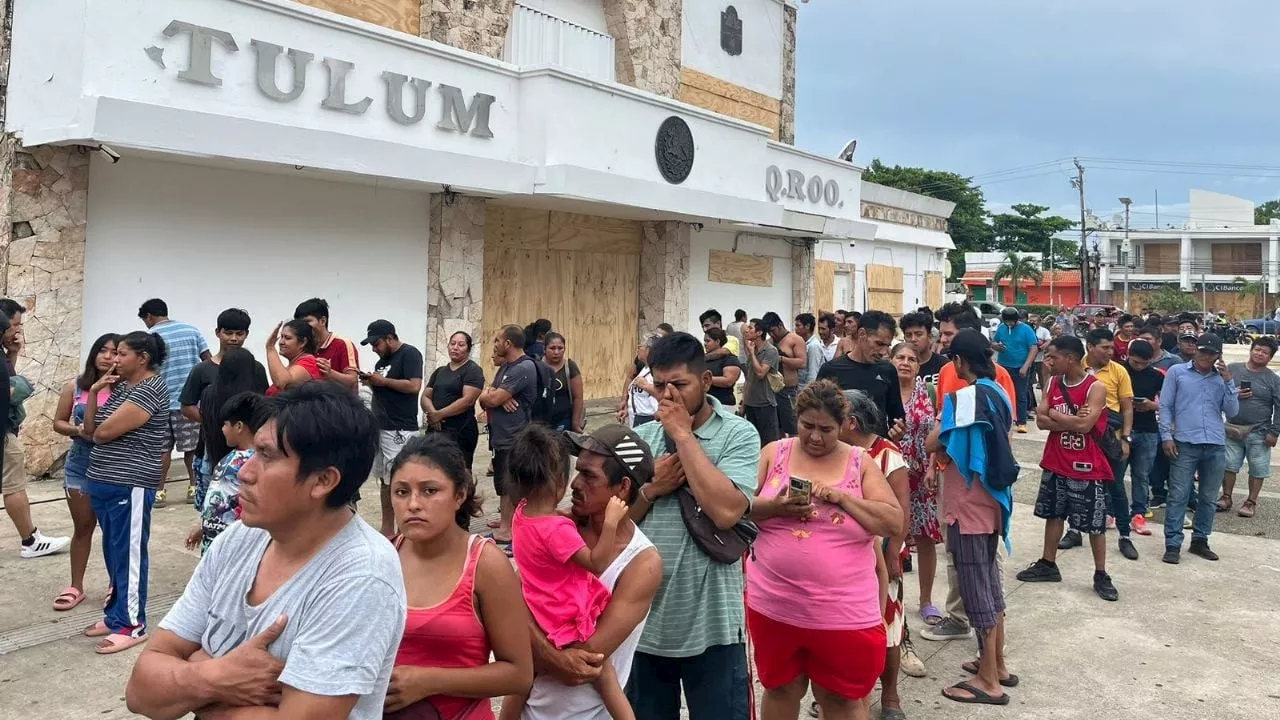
{"type": "Point", "coordinates": [295, 342]}
{"type": "Point", "coordinates": [463, 597]}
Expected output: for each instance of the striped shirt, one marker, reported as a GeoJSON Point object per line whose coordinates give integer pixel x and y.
{"type": "Point", "coordinates": [699, 604]}
{"type": "Point", "coordinates": [183, 345]}
{"type": "Point", "coordinates": [134, 458]}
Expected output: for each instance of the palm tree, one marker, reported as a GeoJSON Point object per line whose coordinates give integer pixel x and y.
{"type": "Point", "coordinates": [1252, 288]}
{"type": "Point", "coordinates": [1017, 268]}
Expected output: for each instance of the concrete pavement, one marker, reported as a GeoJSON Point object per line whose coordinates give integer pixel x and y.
{"type": "Point", "coordinates": [1190, 641]}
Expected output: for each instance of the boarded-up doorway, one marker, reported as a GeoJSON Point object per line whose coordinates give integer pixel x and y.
{"type": "Point", "coordinates": [884, 289]}
{"type": "Point", "coordinates": [581, 272]}
{"type": "Point", "coordinates": [933, 290]}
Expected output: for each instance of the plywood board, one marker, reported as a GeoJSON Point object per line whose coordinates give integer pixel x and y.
{"type": "Point", "coordinates": [739, 269]}
{"type": "Point", "coordinates": [715, 85]}
{"type": "Point", "coordinates": [506, 226]}
{"type": "Point", "coordinates": [933, 289]}
{"type": "Point", "coordinates": [824, 287]}
{"type": "Point", "coordinates": [884, 288]}
{"type": "Point", "coordinates": [589, 233]}
{"type": "Point", "coordinates": [590, 298]}
{"type": "Point", "coordinates": [402, 15]}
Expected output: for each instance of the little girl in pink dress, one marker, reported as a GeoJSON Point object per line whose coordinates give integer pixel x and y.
{"type": "Point", "coordinates": [559, 574]}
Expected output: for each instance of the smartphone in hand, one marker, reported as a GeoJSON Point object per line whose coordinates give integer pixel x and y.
{"type": "Point", "coordinates": [800, 488]}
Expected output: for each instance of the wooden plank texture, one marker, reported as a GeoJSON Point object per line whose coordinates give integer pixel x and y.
{"type": "Point", "coordinates": [516, 227]}
{"type": "Point", "coordinates": [590, 298]}
{"type": "Point", "coordinates": [572, 231]}
{"type": "Point", "coordinates": [402, 15]}
{"type": "Point", "coordinates": [824, 287]}
{"type": "Point", "coordinates": [738, 269]}
{"type": "Point", "coordinates": [884, 288]}
{"type": "Point", "coordinates": [933, 289]}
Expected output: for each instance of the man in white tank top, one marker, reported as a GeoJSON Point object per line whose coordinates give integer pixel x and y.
{"type": "Point", "coordinates": [612, 462]}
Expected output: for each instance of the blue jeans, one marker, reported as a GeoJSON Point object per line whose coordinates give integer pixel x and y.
{"type": "Point", "coordinates": [1118, 500]}
{"type": "Point", "coordinates": [715, 685]}
{"type": "Point", "coordinates": [1021, 388]}
{"type": "Point", "coordinates": [1210, 461]}
{"type": "Point", "coordinates": [1142, 462]}
{"type": "Point", "coordinates": [1160, 477]}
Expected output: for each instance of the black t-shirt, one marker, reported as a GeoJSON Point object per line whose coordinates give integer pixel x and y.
{"type": "Point", "coordinates": [878, 381]}
{"type": "Point", "coordinates": [717, 366]}
{"type": "Point", "coordinates": [397, 410]}
{"type": "Point", "coordinates": [1169, 341]}
{"type": "Point", "coordinates": [929, 371]}
{"type": "Point", "coordinates": [1146, 384]}
{"type": "Point", "coordinates": [193, 392]}
{"type": "Point", "coordinates": [562, 395]}
{"type": "Point", "coordinates": [446, 388]}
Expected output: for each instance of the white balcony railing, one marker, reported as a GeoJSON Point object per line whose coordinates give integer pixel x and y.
{"type": "Point", "coordinates": [536, 38]}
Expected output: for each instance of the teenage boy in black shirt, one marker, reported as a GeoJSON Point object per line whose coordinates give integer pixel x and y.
{"type": "Point", "coordinates": [864, 368]}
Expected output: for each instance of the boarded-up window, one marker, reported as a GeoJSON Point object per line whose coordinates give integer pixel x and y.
{"type": "Point", "coordinates": [884, 289]}
{"type": "Point", "coordinates": [1237, 258]}
{"type": "Point", "coordinates": [1160, 258]}
{"type": "Point", "coordinates": [824, 287]}
{"type": "Point", "coordinates": [933, 289]}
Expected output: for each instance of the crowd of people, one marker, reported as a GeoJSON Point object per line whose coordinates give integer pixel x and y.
{"type": "Point", "coordinates": [766, 483]}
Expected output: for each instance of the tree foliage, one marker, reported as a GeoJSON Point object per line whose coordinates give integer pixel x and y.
{"type": "Point", "coordinates": [1169, 300]}
{"type": "Point", "coordinates": [1026, 229]}
{"type": "Point", "coordinates": [1255, 289]}
{"type": "Point", "coordinates": [969, 228]}
{"type": "Point", "coordinates": [1266, 212]}
{"type": "Point", "coordinates": [1017, 268]}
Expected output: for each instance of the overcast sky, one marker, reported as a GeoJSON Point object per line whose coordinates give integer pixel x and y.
{"type": "Point", "coordinates": [983, 86]}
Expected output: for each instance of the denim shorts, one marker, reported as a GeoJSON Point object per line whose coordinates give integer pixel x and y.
{"type": "Point", "coordinates": [1255, 450]}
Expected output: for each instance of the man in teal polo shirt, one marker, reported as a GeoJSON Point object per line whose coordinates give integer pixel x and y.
{"type": "Point", "coordinates": [695, 633]}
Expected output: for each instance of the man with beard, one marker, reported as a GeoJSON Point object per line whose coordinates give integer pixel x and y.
{"type": "Point", "coordinates": [694, 635]}
{"type": "Point", "coordinates": [864, 368]}
{"type": "Point", "coordinates": [395, 382]}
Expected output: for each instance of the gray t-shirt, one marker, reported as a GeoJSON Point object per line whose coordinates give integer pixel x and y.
{"type": "Point", "coordinates": [345, 610]}
{"type": "Point", "coordinates": [758, 393]}
{"type": "Point", "coordinates": [1264, 406]}
{"type": "Point", "coordinates": [519, 378]}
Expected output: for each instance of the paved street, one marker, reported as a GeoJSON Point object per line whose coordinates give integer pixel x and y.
{"type": "Point", "coordinates": [1193, 641]}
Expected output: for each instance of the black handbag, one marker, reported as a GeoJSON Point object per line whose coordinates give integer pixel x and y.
{"type": "Point", "coordinates": [723, 546]}
{"type": "Point", "coordinates": [1107, 440]}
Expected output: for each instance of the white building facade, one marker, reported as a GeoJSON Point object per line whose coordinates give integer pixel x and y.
{"type": "Point", "coordinates": [622, 167]}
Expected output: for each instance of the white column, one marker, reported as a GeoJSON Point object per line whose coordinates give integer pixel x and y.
{"type": "Point", "coordinates": [1272, 270]}
{"type": "Point", "coordinates": [1184, 263]}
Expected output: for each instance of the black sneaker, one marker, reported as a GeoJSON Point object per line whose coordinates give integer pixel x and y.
{"type": "Point", "coordinates": [1172, 555]}
{"type": "Point", "coordinates": [1070, 540]}
{"type": "Point", "coordinates": [1201, 548]}
{"type": "Point", "coordinates": [1158, 502]}
{"type": "Point", "coordinates": [1127, 549]}
{"type": "Point", "coordinates": [1041, 571]}
{"type": "Point", "coordinates": [1103, 586]}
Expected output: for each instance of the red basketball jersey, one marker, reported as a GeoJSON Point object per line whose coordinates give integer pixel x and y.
{"type": "Point", "coordinates": [1070, 454]}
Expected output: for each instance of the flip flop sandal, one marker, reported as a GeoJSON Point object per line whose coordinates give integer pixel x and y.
{"type": "Point", "coordinates": [978, 697]}
{"type": "Point", "coordinates": [494, 524]}
{"type": "Point", "coordinates": [930, 615]}
{"type": "Point", "coordinates": [98, 629]}
{"type": "Point", "coordinates": [1224, 503]}
{"type": "Point", "coordinates": [1247, 509]}
{"type": "Point", "coordinates": [117, 642]}
{"type": "Point", "coordinates": [68, 599]}
{"type": "Point", "coordinates": [971, 667]}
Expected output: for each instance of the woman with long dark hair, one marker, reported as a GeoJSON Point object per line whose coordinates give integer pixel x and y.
{"type": "Point", "coordinates": [449, 399]}
{"type": "Point", "coordinates": [237, 373]}
{"type": "Point", "coordinates": [67, 421]}
{"type": "Point", "coordinates": [294, 341]}
{"type": "Point", "coordinates": [463, 596]}
{"type": "Point", "coordinates": [569, 410]}
{"type": "Point", "coordinates": [130, 435]}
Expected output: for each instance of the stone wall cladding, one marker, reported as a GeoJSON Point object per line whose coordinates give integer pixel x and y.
{"type": "Point", "coordinates": [664, 276]}
{"type": "Point", "coordinates": [801, 278]}
{"type": "Point", "coordinates": [44, 270]}
{"type": "Point", "coordinates": [478, 26]}
{"type": "Point", "coordinates": [787, 126]}
{"type": "Point", "coordinates": [455, 274]}
{"type": "Point", "coordinates": [646, 36]}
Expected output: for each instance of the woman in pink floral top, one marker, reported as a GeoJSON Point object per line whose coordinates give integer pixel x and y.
{"type": "Point", "coordinates": [925, 530]}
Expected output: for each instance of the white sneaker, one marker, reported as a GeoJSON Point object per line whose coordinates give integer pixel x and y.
{"type": "Point", "coordinates": [44, 545]}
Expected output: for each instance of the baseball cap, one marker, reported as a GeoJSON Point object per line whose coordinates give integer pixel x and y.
{"type": "Point", "coordinates": [1190, 335]}
{"type": "Point", "coordinates": [378, 329]}
{"type": "Point", "coordinates": [1209, 342]}
{"type": "Point", "coordinates": [620, 443]}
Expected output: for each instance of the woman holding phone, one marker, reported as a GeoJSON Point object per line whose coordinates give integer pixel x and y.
{"type": "Point", "coordinates": [813, 597]}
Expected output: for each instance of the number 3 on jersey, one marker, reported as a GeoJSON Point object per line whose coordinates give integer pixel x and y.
{"type": "Point", "coordinates": [1072, 441]}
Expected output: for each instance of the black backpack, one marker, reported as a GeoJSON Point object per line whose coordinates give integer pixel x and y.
{"type": "Point", "coordinates": [544, 392]}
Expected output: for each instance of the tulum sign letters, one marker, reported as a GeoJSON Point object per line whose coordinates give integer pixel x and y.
{"type": "Point", "coordinates": [796, 187]}
{"type": "Point", "coordinates": [456, 114]}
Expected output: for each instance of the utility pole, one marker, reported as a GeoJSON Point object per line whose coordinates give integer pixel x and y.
{"type": "Point", "coordinates": [1125, 253]}
{"type": "Point", "coordinates": [1078, 183]}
